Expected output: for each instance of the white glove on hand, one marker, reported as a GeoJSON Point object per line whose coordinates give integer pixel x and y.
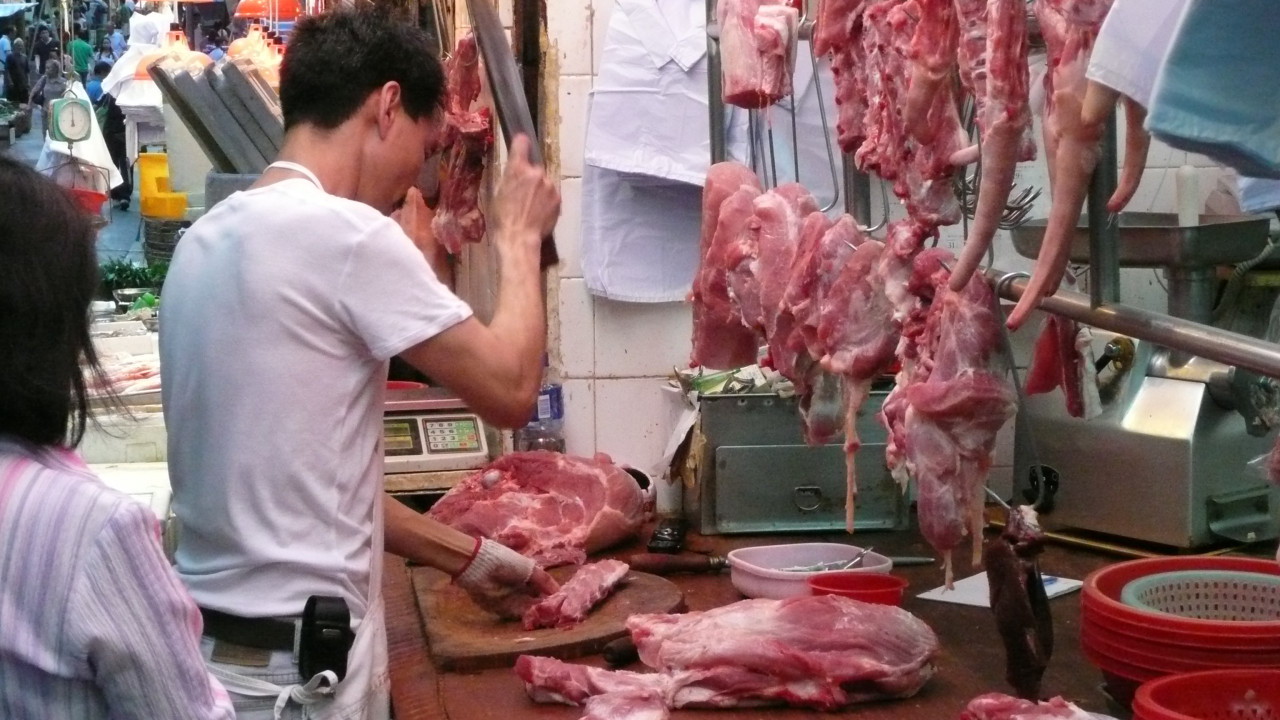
{"type": "Point", "coordinates": [497, 579]}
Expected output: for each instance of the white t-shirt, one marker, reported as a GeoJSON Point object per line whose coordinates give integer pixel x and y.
{"type": "Point", "coordinates": [281, 310]}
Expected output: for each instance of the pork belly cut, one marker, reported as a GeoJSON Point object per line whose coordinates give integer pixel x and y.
{"type": "Point", "coordinates": [570, 604]}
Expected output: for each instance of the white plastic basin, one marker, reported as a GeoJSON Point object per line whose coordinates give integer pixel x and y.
{"type": "Point", "coordinates": [757, 571]}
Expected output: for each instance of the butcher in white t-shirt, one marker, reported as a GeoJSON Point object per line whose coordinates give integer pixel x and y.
{"type": "Point", "coordinates": [282, 308]}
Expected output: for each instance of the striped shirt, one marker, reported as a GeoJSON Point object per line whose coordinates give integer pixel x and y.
{"type": "Point", "coordinates": [94, 623]}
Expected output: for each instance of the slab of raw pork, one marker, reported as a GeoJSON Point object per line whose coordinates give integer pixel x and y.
{"type": "Point", "coordinates": [467, 139]}
{"type": "Point", "coordinates": [998, 706]}
{"type": "Point", "coordinates": [757, 50]}
{"type": "Point", "coordinates": [571, 603]}
{"type": "Point", "coordinates": [951, 400]}
{"type": "Point", "coordinates": [720, 340]}
{"type": "Point", "coordinates": [553, 508]}
{"type": "Point", "coordinates": [823, 652]}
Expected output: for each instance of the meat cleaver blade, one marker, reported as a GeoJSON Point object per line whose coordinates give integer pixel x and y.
{"type": "Point", "coordinates": [508, 92]}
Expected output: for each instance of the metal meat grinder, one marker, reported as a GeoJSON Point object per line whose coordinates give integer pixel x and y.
{"type": "Point", "coordinates": [1166, 461]}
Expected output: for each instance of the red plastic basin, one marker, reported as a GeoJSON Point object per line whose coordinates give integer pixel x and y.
{"type": "Point", "coordinates": [1211, 695]}
{"type": "Point", "coordinates": [867, 587]}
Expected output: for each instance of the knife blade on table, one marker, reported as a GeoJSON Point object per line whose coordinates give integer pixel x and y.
{"type": "Point", "coordinates": [510, 104]}
{"type": "Point", "coordinates": [656, 564]}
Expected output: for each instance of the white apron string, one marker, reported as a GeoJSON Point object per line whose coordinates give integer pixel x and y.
{"type": "Point", "coordinates": [317, 688]}
{"type": "Point", "coordinates": [300, 169]}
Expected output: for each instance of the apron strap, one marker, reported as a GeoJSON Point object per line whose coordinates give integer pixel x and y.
{"type": "Point", "coordinates": [317, 688]}
{"type": "Point", "coordinates": [300, 169]}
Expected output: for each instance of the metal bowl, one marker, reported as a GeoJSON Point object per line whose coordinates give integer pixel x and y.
{"type": "Point", "coordinates": [126, 296]}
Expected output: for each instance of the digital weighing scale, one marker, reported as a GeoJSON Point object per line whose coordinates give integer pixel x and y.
{"type": "Point", "coordinates": [430, 439]}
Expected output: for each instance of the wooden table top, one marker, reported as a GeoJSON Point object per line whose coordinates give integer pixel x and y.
{"type": "Point", "coordinates": [971, 661]}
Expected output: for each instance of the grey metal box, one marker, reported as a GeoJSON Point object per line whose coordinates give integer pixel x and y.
{"type": "Point", "coordinates": [756, 474]}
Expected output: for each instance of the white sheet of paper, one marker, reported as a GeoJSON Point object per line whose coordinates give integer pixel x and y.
{"type": "Point", "coordinates": [973, 590]}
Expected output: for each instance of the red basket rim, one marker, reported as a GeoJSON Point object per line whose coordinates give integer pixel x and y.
{"type": "Point", "coordinates": [1168, 662]}
{"type": "Point", "coordinates": [1120, 668]}
{"type": "Point", "coordinates": [1102, 588]}
{"type": "Point", "coordinates": [1091, 614]}
{"type": "Point", "coordinates": [1148, 702]}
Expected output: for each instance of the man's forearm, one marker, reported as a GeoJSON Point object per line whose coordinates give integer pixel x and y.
{"type": "Point", "coordinates": [424, 540]}
{"type": "Point", "coordinates": [519, 318]}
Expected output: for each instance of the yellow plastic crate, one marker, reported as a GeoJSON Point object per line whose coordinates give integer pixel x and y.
{"type": "Point", "coordinates": [158, 199]}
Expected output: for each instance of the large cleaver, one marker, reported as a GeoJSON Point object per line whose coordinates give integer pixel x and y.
{"type": "Point", "coordinates": [508, 92]}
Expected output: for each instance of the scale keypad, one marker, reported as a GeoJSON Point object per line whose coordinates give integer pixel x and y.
{"type": "Point", "coordinates": [448, 435]}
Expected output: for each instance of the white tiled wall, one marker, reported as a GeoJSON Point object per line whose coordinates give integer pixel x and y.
{"type": "Point", "coordinates": [615, 356]}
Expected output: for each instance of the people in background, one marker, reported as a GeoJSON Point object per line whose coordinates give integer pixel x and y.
{"type": "Point", "coordinates": [96, 623]}
{"type": "Point", "coordinates": [81, 54]}
{"type": "Point", "coordinates": [51, 86]}
{"type": "Point", "coordinates": [44, 49]}
{"type": "Point", "coordinates": [123, 13]}
{"type": "Point", "coordinates": [105, 54]}
{"type": "Point", "coordinates": [6, 43]}
{"type": "Point", "coordinates": [116, 37]}
{"type": "Point", "coordinates": [17, 74]}
{"type": "Point", "coordinates": [111, 121]}
{"type": "Point", "coordinates": [261, 532]}
{"type": "Point", "coordinates": [94, 87]}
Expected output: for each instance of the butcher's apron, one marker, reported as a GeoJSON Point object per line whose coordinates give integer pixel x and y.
{"type": "Point", "coordinates": [278, 692]}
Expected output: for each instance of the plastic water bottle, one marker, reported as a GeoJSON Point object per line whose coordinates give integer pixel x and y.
{"type": "Point", "coordinates": [545, 430]}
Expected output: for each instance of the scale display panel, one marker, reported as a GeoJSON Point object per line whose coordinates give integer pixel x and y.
{"type": "Point", "coordinates": [426, 442]}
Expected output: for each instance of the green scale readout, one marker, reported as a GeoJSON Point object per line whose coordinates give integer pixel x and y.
{"type": "Point", "coordinates": [422, 439]}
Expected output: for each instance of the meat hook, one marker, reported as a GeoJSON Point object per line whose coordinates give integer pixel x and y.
{"type": "Point", "coordinates": [884, 219]}
{"type": "Point", "coordinates": [826, 132]}
{"type": "Point", "coordinates": [1001, 286]}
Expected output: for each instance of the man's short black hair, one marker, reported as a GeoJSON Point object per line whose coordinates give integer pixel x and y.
{"type": "Point", "coordinates": [101, 69]}
{"type": "Point", "coordinates": [334, 60]}
{"type": "Point", "coordinates": [83, 34]}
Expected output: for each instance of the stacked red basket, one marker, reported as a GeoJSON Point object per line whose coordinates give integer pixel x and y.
{"type": "Point", "coordinates": [1132, 645]}
{"type": "Point", "coordinates": [1211, 695]}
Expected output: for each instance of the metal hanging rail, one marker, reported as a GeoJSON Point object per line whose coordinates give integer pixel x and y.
{"type": "Point", "coordinates": [1175, 333]}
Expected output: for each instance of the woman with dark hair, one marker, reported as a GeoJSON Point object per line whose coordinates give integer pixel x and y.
{"type": "Point", "coordinates": [93, 621]}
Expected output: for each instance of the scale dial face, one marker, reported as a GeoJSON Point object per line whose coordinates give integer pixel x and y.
{"type": "Point", "coordinates": [72, 120]}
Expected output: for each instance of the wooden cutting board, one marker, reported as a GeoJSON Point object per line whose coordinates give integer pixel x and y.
{"type": "Point", "coordinates": [463, 637]}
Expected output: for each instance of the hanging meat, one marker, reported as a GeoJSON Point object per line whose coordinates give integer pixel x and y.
{"type": "Point", "coordinates": [951, 399]}
{"type": "Point", "coordinates": [993, 67]}
{"type": "Point", "coordinates": [1075, 115]}
{"type": "Point", "coordinates": [720, 340]}
{"type": "Point", "coordinates": [468, 137]}
{"type": "Point", "coordinates": [757, 50]}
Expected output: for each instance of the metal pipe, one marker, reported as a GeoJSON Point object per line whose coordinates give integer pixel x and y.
{"type": "Point", "coordinates": [1104, 246]}
{"type": "Point", "coordinates": [1192, 292]}
{"type": "Point", "coordinates": [715, 92]}
{"type": "Point", "coordinates": [1176, 333]}
{"type": "Point", "coordinates": [857, 191]}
